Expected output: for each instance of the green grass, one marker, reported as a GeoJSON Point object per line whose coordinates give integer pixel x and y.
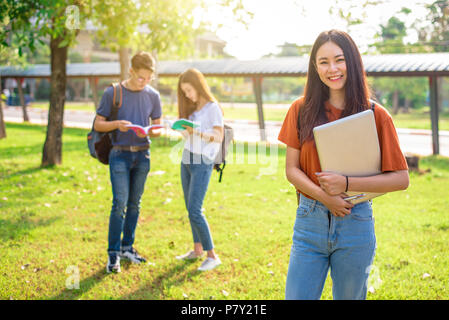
{"type": "Point", "coordinates": [417, 119]}
{"type": "Point", "coordinates": [54, 219]}
{"type": "Point", "coordinates": [420, 119]}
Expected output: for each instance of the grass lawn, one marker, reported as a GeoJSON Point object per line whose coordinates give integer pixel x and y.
{"type": "Point", "coordinates": [54, 222]}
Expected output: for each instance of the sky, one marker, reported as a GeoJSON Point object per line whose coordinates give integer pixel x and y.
{"type": "Point", "coordinates": [300, 21]}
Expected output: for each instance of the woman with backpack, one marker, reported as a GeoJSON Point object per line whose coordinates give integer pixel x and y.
{"type": "Point", "coordinates": [330, 232]}
{"type": "Point", "coordinates": [202, 144]}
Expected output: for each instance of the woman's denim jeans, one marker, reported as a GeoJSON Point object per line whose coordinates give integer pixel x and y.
{"type": "Point", "coordinates": [195, 177]}
{"type": "Point", "coordinates": [128, 171]}
{"type": "Point", "coordinates": [321, 241]}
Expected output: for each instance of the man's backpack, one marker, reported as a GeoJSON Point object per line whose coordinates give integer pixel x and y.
{"type": "Point", "coordinates": [100, 143]}
{"type": "Point", "coordinates": [220, 159]}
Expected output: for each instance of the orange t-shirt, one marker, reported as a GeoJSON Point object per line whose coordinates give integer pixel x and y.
{"type": "Point", "coordinates": [391, 154]}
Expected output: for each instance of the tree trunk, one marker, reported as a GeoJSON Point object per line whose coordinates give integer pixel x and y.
{"type": "Point", "coordinates": [2, 120]}
{"type": "Point", "coordinates": [407, 105]}
{"type": "Point", "coordinates": [77, 87]}
{"type": "Point", "coordinates": [52, 152]}
{"type": "Point", "coordinates": [395, 102]}
{"type": "Point", "coordinates": [22, 101]}
{"type": "Point", "coordinates": [124, 63]}
{"type": "Point", "coordinates": [94, 86]}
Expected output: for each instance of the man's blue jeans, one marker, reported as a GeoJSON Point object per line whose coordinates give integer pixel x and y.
{"type": "Point", "coordinates": [321, 241]}
{"type": "Point", "coordinates": [195, 177]}
{"type": "Point", "coordinates": [128, 171]}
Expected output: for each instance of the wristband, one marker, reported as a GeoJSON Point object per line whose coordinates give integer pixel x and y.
{"type": "Point", "coordinates": [347, 183]}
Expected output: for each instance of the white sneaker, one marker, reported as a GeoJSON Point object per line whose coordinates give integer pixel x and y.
{"type": "Point", "coordinates": [191, 255]}
{"type": "Point", "coordinates": [132, 255]}
{"type": "Point", "coordinates": [113, 264]}
{"type": "Point", "coordinates": [209, 264]}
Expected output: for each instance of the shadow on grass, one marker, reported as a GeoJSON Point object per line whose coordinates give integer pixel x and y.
{"type": "Point", "coordinates": [26, 186]}
{"type": "Point", "coordinates": [21, 151]}
{"type": "Point", "coordinates": [37, 149]}
{"type": "Point", "coordinates": [22, 226]}
{"type": "Point", "coordinates": [154, 290]}
{"type": "Point", "coordinates": [30, 170]}
{"type": "Point", "coordinates": [435, 162]}
{"type": "Point", "coordinates": [84, 286]}
{"type": "Point", "coordinates": [76, 140]}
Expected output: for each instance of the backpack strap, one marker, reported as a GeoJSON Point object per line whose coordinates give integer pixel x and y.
{"type": "Point", "coordinates": [117, 96]}
{"type": "Point", "coordinates": [220, 169]}
{"type": "Point", "coordinates": [116, 104]}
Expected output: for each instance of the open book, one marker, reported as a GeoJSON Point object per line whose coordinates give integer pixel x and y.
{"type": "Point", "coordinates": [178, 124]}
{"type": "Point", "coordinates": [143, 130]}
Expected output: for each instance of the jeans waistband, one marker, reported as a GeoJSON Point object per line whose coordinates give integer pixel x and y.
{"type": "Point", "coordinates": [131, 148]}
{"type": "Point", "coordinates": [309, 202]}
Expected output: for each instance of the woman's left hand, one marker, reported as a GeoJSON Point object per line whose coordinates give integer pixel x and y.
{"type": "Point", "coordinates": [188, 129]}
{"type": "Point", "coordinates": [334, 184]}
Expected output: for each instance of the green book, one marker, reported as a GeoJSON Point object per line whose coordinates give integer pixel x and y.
{"type": "Point", "coordinates": [178, 124]}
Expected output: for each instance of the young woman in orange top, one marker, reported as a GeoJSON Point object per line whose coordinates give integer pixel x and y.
{"type": "Point", "coordinates": [330, 232]}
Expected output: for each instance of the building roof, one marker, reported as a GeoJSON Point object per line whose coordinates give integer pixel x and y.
{"type": "Point", "coordinates": [428, 64]}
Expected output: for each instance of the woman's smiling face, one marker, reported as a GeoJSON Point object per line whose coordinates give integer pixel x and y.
{"type": "Point", "coordinates": [330, 65]}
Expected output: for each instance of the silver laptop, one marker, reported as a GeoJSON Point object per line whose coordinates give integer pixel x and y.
{"type": "Point", "coordinates": [350, 146]}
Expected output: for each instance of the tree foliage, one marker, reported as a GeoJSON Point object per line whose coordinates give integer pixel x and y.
{"type": "Point", "coordinates": [406, 92]}
{"type": "Point", "coordinates": [29, 22]}
{"type": "Point", "coordinates": [437, 31]}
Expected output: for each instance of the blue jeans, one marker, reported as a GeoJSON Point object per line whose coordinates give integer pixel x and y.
{"type": "Point", "coordinates": [128, 171]}
{"type": "Point", "coordinates": [195, 177]}
{"type": "Point", "coordinates": [321, 241]}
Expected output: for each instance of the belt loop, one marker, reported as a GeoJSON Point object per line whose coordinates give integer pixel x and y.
{"type": "Point", "coordinates": [314, 204]}
{"type": "Point", "coordinates": [311, 202]}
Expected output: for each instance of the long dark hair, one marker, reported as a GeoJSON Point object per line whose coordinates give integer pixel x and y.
{"type": "Point", "coordinates": [357, 92]}
{"type": "Point", "coordinates": [196, 79]}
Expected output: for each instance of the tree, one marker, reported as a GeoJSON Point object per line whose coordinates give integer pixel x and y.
{"type": "Point", "coordinates": [352, 13]}
{"type": "Point", "coordinates": [151, 25]}
{"type": "Point", "coordinates": [161, 27]}
{"type": "Point", "coordinates": [405, 92]}
{"type": "Point", "coordinates": [437, 32]}
{"type": "Point", "coordinates": [8, 57]}
{"type": "Point", "coordinates": [32, 22]}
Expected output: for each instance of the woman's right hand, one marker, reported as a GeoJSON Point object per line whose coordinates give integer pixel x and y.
{"type": "Point", "coordinates": [337, 205]}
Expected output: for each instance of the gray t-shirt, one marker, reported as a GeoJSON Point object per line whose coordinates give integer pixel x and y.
{"type": "Point", "coordinates": [137, 107]}
{"type": "Point", "coordinates": [207, 117]}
